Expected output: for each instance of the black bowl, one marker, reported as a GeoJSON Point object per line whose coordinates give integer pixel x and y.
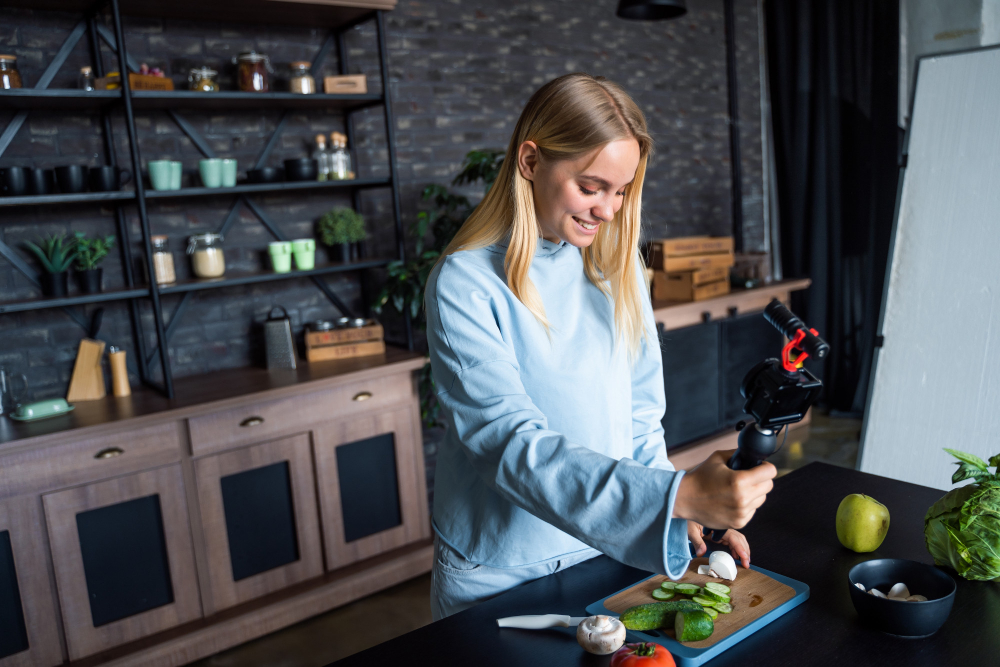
{"type": "Point", "coordinates": [301, 169]}
{"type": "Point", "coordinates": [904, 619]}
{"type": "Point", "coordinates": [265, 175]}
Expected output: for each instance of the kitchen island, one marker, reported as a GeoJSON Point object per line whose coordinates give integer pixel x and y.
{"type": "Point", "coordinates": [793, 535]}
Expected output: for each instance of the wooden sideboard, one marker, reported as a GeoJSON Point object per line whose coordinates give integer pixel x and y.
{"type": "Point", "coordinates": [148, 531]}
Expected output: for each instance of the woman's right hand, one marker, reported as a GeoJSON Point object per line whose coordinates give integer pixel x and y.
{"type": "Point", "coordinates": [716, 496]}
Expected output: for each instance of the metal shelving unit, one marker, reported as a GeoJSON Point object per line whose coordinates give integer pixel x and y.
{"type": "Point", "coordinates": [127, 101]}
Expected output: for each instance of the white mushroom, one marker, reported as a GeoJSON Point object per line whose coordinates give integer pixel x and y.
{"type": "Point", "coordinates": [860, 585]}
{"type": "Point", "coordinates": [703, 569]}
{"type": "Point", "coordinates": [899, 591]}
{"type": "Point", "coordinates": [916, 598]}
{"type": "Point", "coordinates": [877, 593]}
{"type": "Point", "coordinates": [600, 635]}
{"type": "Point", "coordinates": [723, 564]}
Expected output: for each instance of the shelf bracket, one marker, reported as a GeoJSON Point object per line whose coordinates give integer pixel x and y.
{"type": "Point", "coordinates": [272, 142]}
{"type": "Point", "coordinates": [109, 39]}
{"type": "Point", "coordinates": [193, 134]}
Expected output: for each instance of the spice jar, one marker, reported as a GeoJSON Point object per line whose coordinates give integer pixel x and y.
{"type": "Point", "coordinates": [252, 72]}
{"type": "Point", "coordinates": [301, 81]}
{"type": "Point", "coordinates": [163, 261]}
{"type": "Point", "coordinates": [9, 76]}
{"type": "Point", "coordinates": [203, 80]}
{"type": "Point", "coordinates": [207, 258]}
{"type": "Point", "coordinates": [85, 81]}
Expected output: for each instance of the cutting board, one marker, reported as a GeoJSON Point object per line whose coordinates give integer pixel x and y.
{"type": "Point", "coordinates": [758, 598]}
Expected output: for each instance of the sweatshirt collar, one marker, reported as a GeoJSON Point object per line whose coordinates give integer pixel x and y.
{"type": "Point", "coordinates": [543, 248]}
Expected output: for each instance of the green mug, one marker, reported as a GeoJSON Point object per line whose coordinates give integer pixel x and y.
{"type": "Point", "coordinates": [281, 256]}
{"type": "Point", "coordinates": [305, 254]}
{"type": "Point", "coordinates": [176, 170]}
{"type": "Point", "coordinates": [228, 173]}
{"type": "Point", "coordinates": [211, 172]}
{"type": "Point", "coordinates": [160, 174]}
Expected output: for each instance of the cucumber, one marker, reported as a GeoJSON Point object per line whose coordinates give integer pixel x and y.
{"type": "Point", "coordinates": [655, 614]}
{"type": "Point", "coordinates": [711, 612]}
{"type": "Point", "coordinates": [661, 594]}
{"type": "Point", "coordinates": [704, 602]}
{"type": "Point", "coordinates": [693, 626]}
{"type": "Point", "coordinates": [717, 587]}
{"type": "Point", "coordinates": [723, 607]}
{"type": "Point", "coordinates": [687, 589]}
{"type": "Point", "coordinates": [712, 594]}
{"type": "Point", "coordinates": [668, 585]}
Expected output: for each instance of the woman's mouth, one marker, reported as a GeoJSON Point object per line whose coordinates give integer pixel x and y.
{"type": "Point", "coordinates": [586, 227]}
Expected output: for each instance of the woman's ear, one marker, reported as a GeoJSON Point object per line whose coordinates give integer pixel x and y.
{"type": "Point", "coordinates": [527, 159]}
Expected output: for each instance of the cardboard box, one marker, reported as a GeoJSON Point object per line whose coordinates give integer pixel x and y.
{"type": "Point", "coordinates": [695, 245]}
{"type": "Point", "coordinates": [349, 84]}
{"type": "Point", "coordinates": [681, 287]}
{"type": "Point", "coordinates": [722, 260]}
{"type": "Point", "coordinates": [345, 350]}
{"type": "Point", "coordinates": [348, 335]}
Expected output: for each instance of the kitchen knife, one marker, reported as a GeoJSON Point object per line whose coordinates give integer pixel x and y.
{"type": "Point", "coordinates": [540, 622]}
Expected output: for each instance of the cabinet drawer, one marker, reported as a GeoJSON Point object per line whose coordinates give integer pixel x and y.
{"type": "Point", "coordinates": [89, 459]}
{"type": "Point", "coordinates": [255, 422]}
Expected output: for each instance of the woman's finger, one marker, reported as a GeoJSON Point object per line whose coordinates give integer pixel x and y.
{"type": "Point", "coordinates": [697, 541]}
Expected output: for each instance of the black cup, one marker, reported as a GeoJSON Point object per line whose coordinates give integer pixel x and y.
{"type": "Point", "coordinates": [301, 169]}
{"type": "Point", "coordinates": [14, 181]}
{"type": "Point", "coordinates": [107, 178]}
{"type": "Point", "coordinates": [72, 179]}
{"type": "Point", "coordinates": [265, 175]}
{"type": "Point", "coordinates": [41, 182]}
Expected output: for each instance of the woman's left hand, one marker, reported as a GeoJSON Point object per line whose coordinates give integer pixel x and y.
{"type": "Point", "coordinates": [735, 540]}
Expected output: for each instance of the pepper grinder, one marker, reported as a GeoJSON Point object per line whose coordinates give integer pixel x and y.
{"type": "Point", "coordinates": [119, 372]}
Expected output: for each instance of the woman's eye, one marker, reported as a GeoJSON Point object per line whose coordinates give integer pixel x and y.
{"type": "Point", "coordinates": [587, 192]}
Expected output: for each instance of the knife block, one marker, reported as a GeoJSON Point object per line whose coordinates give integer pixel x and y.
{"type": "Point", "coordinates": [87, 383]}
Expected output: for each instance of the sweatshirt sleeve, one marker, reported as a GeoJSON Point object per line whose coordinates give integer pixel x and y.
{"type": "Point", "coordinates": [649, 401]}
{"type": "Point", "coordinates": [620, 507]}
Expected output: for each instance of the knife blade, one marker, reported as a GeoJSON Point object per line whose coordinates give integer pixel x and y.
{"type": "Point", "coordinates": [540, 622]}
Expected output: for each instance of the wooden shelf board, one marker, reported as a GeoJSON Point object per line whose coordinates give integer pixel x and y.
{"type": "Point", "coordinates": [279, 187]}
{"type": "Point", "coordinates": [200, 284]}
{"type": "Point", "coordinates": [679, 314]}
{"type": "Point", "coordinates": [76, 300]}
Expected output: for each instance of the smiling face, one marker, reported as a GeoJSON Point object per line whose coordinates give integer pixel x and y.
{"type": "Point", "coordinates": [573, 198]}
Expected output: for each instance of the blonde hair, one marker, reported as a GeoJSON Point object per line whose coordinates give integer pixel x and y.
{"type": "Point", "coordinates": [568, 118]}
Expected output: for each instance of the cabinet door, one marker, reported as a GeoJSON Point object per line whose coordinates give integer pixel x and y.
{"type": "Point", "coordinates": [691, 382]}
{"type": "Point", "coordinates": [372, 491]}
{"type": "Point", "coordinates": [123, 559]}
{"type": "Point", "coordinates": [259, 518]}
{"type": "Point", "coordinates": [29, 627]}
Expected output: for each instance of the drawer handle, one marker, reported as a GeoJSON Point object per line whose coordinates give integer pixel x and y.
{"type": "Point", "coordinates": [362, 396]}
{"type": "Point", "coordinates": [252, 421]}
{"type": "Point", "coordinates": [109, 453]}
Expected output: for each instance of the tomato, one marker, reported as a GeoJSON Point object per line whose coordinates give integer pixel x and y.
{"type": "Point", "coordinates": [642, 655]}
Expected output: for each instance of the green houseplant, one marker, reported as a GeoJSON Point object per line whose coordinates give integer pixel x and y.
{"type": "Point", "coordinates": [55, 253]}
{"type": "Point", "coordinates": [90, 253]}
{"type": "Point", "coordinates": [338, 228]}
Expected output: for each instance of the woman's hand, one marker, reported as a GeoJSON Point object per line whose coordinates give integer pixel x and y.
{"type": "Point", "coordinates": [713, 495]}
{"type": "Point", "coordinates": [735, 540]}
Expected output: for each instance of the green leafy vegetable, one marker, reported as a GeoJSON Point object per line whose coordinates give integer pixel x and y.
{"type": "Point", "coordinates": [962, 529]}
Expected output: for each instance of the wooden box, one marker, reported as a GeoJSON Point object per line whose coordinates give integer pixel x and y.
{"type": "Point", "coordinates": [347, 84]}
{"type": "Point", "coordinates": [695, 245]}
{"type": "Point", "coordinates": [137, 81]}
{"type": "Point", "coordinates": [685, 287]}
{"type": "Point", "coordinates": [345, 350]}
{"type": "Point", "coordinates": [345, 343]}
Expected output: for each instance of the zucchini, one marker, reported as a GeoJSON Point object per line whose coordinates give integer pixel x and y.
{"type": "Point", "coordinates": [723, 607]}
{"type": "Point", "coordinates": [711, 612]}
{"type": "Point", "coordinates": [688, 589]}
{"type": "Point", "coordinates": [661, 594]}
{"type": "Point", "coordinates": [668, 585]}
{"type": "Point", "coordinates": [704, 602]}
{"type": "Point", "coordinates": [656, 614]}
{"type": "Point", "coordinates": [717, 587]}
{"type": "Point", "coordinates": [693, 626]}
{"type": "Point", "coordinates": [713, 594]}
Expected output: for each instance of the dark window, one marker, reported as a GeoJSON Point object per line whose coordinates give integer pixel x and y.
{"type": "Point", "coordinates": [13, 635]}
{"type": "Point", "coordinates": [260, 519]}
{"type": "Point", "coordinates": [369, 493]}
{"type": "Point", "coordinates": [125, 559]}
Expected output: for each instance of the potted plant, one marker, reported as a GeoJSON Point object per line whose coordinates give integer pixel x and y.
{"type": "Point", "coordinates": [337, 229]}
{"type": "Point", "coordinates": [356, 232]}
{"type": "Point", "coordinates": [55, 253]}
{"type": "Point", "coordinates": [89, 253]}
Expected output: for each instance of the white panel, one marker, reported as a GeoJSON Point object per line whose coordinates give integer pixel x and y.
{"type": "Point", "coordinates": [937, 379]}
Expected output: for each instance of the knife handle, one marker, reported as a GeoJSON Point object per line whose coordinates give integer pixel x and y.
{"type": "Point", "coordinates": [539, 622]}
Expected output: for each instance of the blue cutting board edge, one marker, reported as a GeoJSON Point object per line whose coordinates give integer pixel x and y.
{"type": "Point", "coordinates": [692, 657]}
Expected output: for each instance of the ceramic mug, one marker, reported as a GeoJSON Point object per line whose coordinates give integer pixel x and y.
{"type": "Point", "coordinates": [228, 173]}
{"type": "Point", "coordinates": [281, 256]}
{"type": "Point", "coordinates": [176, 171]}
{"type": "Point", "coordinates": [305, 254]}
{"type": "Point", "coordinates": [211, 172]}
{"type": "Point", "coordinates": [160, 174]}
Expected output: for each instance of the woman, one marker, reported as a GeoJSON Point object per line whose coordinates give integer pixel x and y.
{"type": "Point", "coordinates": [547, 363]}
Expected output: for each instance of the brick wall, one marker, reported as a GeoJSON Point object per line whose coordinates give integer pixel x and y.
{"type": "Point", "coordinates": [460, 74]}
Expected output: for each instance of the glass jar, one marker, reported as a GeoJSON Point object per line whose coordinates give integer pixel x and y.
{"type": "Point", "coordinates": [301, 81]}
{"type": "Point", "coordinates": [86, 79]}
{"type": "Point", "coordinates": [252, 70]}
{"type": "Point", "coordinates": [207, 258]}
{"type": "Point", "coordinates": [9, 76]}
{"type": "Point", "coordinates": [203, 80]}
{"type": "Point", "coordinates": [163, 261]}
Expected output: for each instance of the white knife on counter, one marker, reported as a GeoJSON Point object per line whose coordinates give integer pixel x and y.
{"type": "Point", "coordinates": [540, 622]}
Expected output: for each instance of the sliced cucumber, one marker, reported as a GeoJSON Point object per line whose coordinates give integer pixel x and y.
{"type": "Point", "coordinates": [711, 612]}
{"type": "Point", "coordinates": [693, 626]}
{"type": "Point", "coordinates": [704, 602]}
{"type": "Point", "coordinates": [718, 588]}
{"type": "Point", "coordinates": [661, 594]}
{"type": "Point", "coordinates": [687, 589]}
{"type": "Point", "coordinates": [714, 595]}
{"type": "Point", "coordinates": [668, 585]}
{"type": "Point", "coordinates": [723, 607]}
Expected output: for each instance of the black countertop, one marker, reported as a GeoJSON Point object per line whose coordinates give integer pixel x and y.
{"type": "Point", "coordinates": [792, 534]}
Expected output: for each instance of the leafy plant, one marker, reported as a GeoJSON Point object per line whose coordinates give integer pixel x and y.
{"type": "Point", "coordinates": [962, 530]}
{"type": "Point", "coordinates": [407, 280]}
{"type": "Point", "coordinates": [91, 252]}
{"type": "Point", "coordinates": [341, 225]}
{"type": "Point", "coordinates": [55, 253]}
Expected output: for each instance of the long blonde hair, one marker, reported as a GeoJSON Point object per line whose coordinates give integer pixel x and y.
{"type": "Point", "coordinates": [568, 118]}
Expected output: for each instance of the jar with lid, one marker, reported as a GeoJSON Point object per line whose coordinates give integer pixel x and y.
{"type": "Point", "coordinates": [301, 80]}
{"type": "Point", "coordinates": [252, 71]}
{"type": "Point", "coordinates": [9, 76]}
{"type": "Point", "coordinates": [163, 261]}
{"type": "Point", "coordinates": [86, 79]}
{"type": "Point", "coordinates": [203, 79]}
{"type": "Point", "coordinates": [207, 258]}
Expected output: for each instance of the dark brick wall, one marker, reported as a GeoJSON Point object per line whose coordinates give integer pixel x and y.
{"type": "Point", "coordinates": [460, 73]}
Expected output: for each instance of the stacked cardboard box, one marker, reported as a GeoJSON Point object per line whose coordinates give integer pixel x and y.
{"type": "Point", "coordinates": [345, 343]}
{"type": "Point", "coordinates": [691, 268]}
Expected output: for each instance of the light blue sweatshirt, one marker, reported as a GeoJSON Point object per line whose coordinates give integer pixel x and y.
{"type": "Point", "coordinates": [553, 443]}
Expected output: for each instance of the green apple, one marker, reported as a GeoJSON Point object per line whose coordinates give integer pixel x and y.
{"type": "Point", "coordinates": [862, 523]}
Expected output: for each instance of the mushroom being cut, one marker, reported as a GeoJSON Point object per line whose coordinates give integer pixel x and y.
{"type": "Point", "coordinates": [722, 564]}
{"type": "Point", "coordinates": [600, 635]}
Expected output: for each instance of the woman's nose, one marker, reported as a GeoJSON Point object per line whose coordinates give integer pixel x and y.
{"type": "Point", "coordinates": [605, 210]}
